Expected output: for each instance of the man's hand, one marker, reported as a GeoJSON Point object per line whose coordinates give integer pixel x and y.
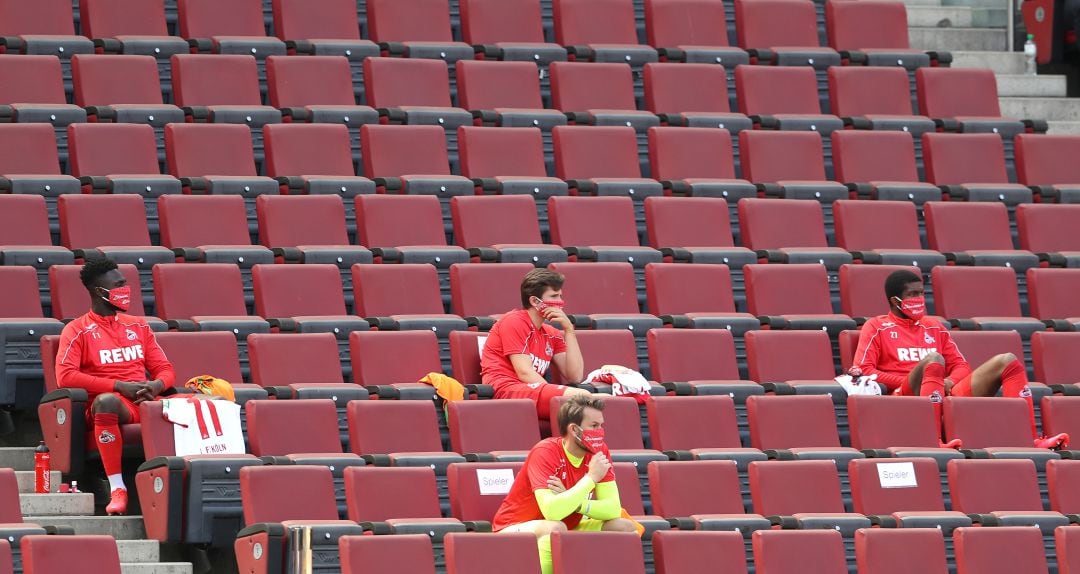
{"type": "Point", "coordinates": [150, 390]}
{"type": "Point", "coordinates": [948, 386]}
{"type": "Point", "coordinates": [598, 467]}
{"type": "Point", "coordinates": [555, 485]}
{"type": "Point", "coordinates": [131, 391]}
{"type": "Point", "coordinates": [557, 316]}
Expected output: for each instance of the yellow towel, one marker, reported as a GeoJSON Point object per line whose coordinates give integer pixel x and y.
{"type": "Point", "coordinates": [446, 387]}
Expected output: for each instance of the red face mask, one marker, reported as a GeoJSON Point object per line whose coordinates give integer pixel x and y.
{"type": "Point", "coordinates": [592, 440]}
{"type": "Point", "coordinates": [542, 305]}
{"type": "Point", "coordinates": [119, 297]}
{"type": "Point", "coordinates": [913, 308]}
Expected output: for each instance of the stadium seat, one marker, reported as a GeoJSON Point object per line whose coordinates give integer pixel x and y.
{"type": "Point", "coordinates": [379, 368]}
{"type": "Point", "coordinates": [999, 550]}
{"type": "Point", "coordinates": [1042, 164]}
{"type": "Point", "coordinates": [30, 165]}
{"type": "Point", "coordinates": [1043, 229]}
{"type": "Point", "coordinates": [235, 28]}
{"type": "Point", "coordinates": [475, 553]}
{"type": "Point", "coordinates": [11, 559]}
{"type": "Point", "coordinates": [862, 288]}
{"type": "Point", "coordinates": [880, 164]}
{"type": "Point", "coordinates": [950, 161]}
{"type": "Point", "coordinates": [365, 492]}
{"type": "Point", "coordinates": [502, 30]}
{"type": "Point", "coordinates": [1053, 354]}
{"type": "Point", "coordinates": [888, 551]}
{"type": "Point", "coordinates": [39, 93]}
{"type": "Point", "coordinates": [131, 27]}
{"type": "Point", "coordinates": [696, 230]}
{"type": "Point", "coordinates": [693, 31]}
{"type": "Point", "coordinates": [465, 347]}
{"type": "Point", "coordinates": [794, 296]}
{"type": "Point", "coordinates": [812, 434]}
{"type": "Point", "coordinates": [785, 97]}
{"type": "Point", "coordinates": [878, 97]}
{"type": "Point", "coordinates": [701, 495]}
{"type": "Point", "coordinates": [1060, 474]}
{"type": "Point", "coordinates": [604, 347]}
{"type": "Point", "coordinates": [883, 45]}
{"type": "Point", "coordinates": [777, 356]}
{"type": "Point", "coordinates": [859, 230]}
{"type": "Point", "coordinates": [42, 28]}
{"type": "Point", "coordinates": [782, 552]}
{"type": "Point", "coordinates": [964, 100]}
{"type": "Point", "coordinates": [980, 346]}
{"type": "Point", "coordinates": [403, 297]}
{"type": "Point", "coordinates": [788, 231]}
{"type": "Point", "coordinates": [415, 29]}
{"type": "Point", "coordinates": [487, 431]}
{"type": "Point", "coordinates": [291, 158]}
{"type": "Point", "coordinates": [996, 425]}
{"type": "Point", "coordinates": [981, 229]}
{"type": "Point", "coordinates": [1066, 549]}
{"type": "Point", "coordinates": [804, 494]}
{"type": "Point", "coordinates": [784, 33]}
{"type": "Point", "coordinates": [981, 298]}
{"type": "Point", "coordinates": [790, 165]}
{"type": "Point", "coordinates": [598, 94]}
{"type": "Point", "coordinates": [1049, 293]}
{"type": "Point", "coordinates": [128, 88]}
{"type": "Point", "coordinates": [272, 369]}
{"type": "Point", "coordinates": [482, 292]}
{"type": "Point", "coordinates": [507, 94]}
{"type": "Point", "coordinates": [386, 554]}
{"type": "Point", "coordinates": [211, 229]}
{"type": "Point", "coordinates": [22, 326]}
{"type": "Point", "coordinates": [908, 490]}
{"type": "Point", "coordinates": [70, 298]}
{"type": "Point", "coordinates": [25, 238]}
{"type": "Point", "coordinates": [43, 554]}
{"type": "Point", "coordinates": [195, 354]}
{"type": "Point", "coordinates": [502, 228]}
{"type": "Point", "coordinates": [697, 296]}
{"type": "Point", "coordinates": [680, 552]}
{"type": "Point", "coordinates": [573, 552]}
{"type": "Point", "coordinates": [902, 427]}
{"type": "Point", "coordinates": [667, 97]}
{"type": "Point", "coordinates": [305, 299]}
{"type": "Point", "coordinates": [599, 229]}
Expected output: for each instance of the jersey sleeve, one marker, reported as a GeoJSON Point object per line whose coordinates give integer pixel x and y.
{"type": "Point", "coordinates": [558, 344]}
{"type": "Point", "coordinates": [69, 364]}
{"type": "Point", "coordinates": [515, 335]}
{"type": "Point", "coordinates": [956, 365]}
{"type": "Point", "coordinates": [541, 466]}
{"type": "Point", "coordinates": [157, 364]}
{"type": "Point", "coordinates": [868, 356]}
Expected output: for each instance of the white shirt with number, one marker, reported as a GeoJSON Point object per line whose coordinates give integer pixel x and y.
{"type": "Point", "coordinates": [204, 427]}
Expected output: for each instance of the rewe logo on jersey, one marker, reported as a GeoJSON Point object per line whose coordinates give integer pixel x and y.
{"type": "Point", "coordinates": [914, 353]}
{"type": "Point", "coordinates": [120, 354]}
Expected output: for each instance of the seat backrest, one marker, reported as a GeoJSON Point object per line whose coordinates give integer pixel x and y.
{"type": "Point", "coordinates": [391, 82]}
{"type": "Point", "coordinates": [679, 551]}
{"type": "Point", "coordinates": [670, 23]}
{"type": "Point", "coordinates": [858, 225]}
{"type": "Point", "coordinates": [279, 428]}
{"type": "Point", "coordinates": [9, 497]}
{"type": "Point", "coordinates": [392, 151]}
{"type": "Point", "coordinates": [778, 223]}
{"type": "Point", "coordinates": [983, 422]}
{"type": "Point", "coordinates": [24, 220]}
{"type": "Point", "coordinates": [43, 554]}
{"type": "Point", "coordinates": [863, 90]}
{"type": "Point", "coordinates": [862, 288]}
{"type": "Point", "coordinates": [478, 289]}
{"type": "Point", "coordinates": [991, 485]}
{"type": "Point", "coordinates": [270, 494]}
{"type": "Point", "coordinates": [491, 84]}
{"type": "Point", "coordinates": [194, 220]}
{"type": "Point", "coordinates": [687, 222]}
{"type": "Point", "coordinates": [775, 24]}
{"type": "Point", "coordinates": [862, 156]}
{"type": "Point", "coordinates": [1068, 549]}
{"type": "Point", "coordinates": [488, 220]}
{"type": "Point", "coordinates": [27, 148]}
{"type": "Point", "coordinates": [1060, 476]}
{"type": "Point", "coordinates": [297, 290]}
{"type": "Point", "coordinates": [1051, 293]}
{"type": "Point", "coordinates": [956, 159]}
{"type": "Point", "coordinates": [293, 220]}
{"type": "Point", "coordinates": [598, 287]}
{"type": "Point", "coordinates": [98, 149]}
{"type": "Point", "coordinates": [629, 485]}
{"type": "Point", "coordinates": [777, 89]}
{"type": "Point", "coordinates": [310, 81]}
{"type": "Point", "coordinates": [81, 217]}
{"type": "Point", "coordinates": [334, 20]}
{"type": "Point", "coordinates": [403, 289]}
{"type": "Point", "coordinates": [493, 152]}
{"type": "Point", "coordinates": [104, 80]}
{"type": "Point", "coordinates": [272, 358]}
{"type": "Point", "coordinates": [183, 291]}
{"type": "Point", "coordinates": [1044, 159]}
{"type": "Point", "coordinates": [477, 489]}
{"type": "Point", "coordinates": [787, 289]}
{"type": "Point", "coordinates": [1046, 227]}
{"type": "Point", "coordinates": [773, 156]}
{"type": "Point", "coordinates": [962, 292]}
{"type": "Point", "coordinates": [38, 78]}
{"type": "Point", "coordinates": [845, 24]}
{"type": "Point", "coordinates": [788, 355]}
{"type": "Point", "coordinates": [594, 22]}
{"type": "Point", "coordinates": [376, 356]}
{"type": "Point", "coordinates": [684, 423]}
{"type": "Point", "coordinates": [580, 86]}
{"type": "Point", "coordinates": [685, 153]}
{"type": "Point", "coordinates": [409, 21]}
{"type": "Point", "coordinates": [622, 421]}
{"type": "Point", "coordinates": [386, 554]}
{"type": "Point", "coordinates": [476, 554]}
{"type": "Point", "coordinates": [583, 221]}
{"type": "Point", "coordinates": [677, 289]}
{"type": "Point", "coordinates": [208, 18]}
{"type": "Point", "coordinates": [789, 551]}
{"type": "Point", "coordinates": [1054, 356]}
{"type": "Point", "coordinates": [981, 346]}
{"type": "Point", "coordinates": [398, 220]}
{"type": "Point", "coordinates": [883, 421]}
{"type": "Point", "coordinates": [786, 487]}
{"type": "Point", "coordinates": [899, 550]}
{"type": "Point", "coordinates": [679, 489]}
{"type": "Point", "coordinates": [50, 17]}
{"type": "Point", "coordinates": [69, 296]}
{"type": "Point", "coordinates": [366, 489]}
{"type": "Point", "coordinates": [492, 21]}
{"type": "Point", "coordinates": [666, 93]}
{"type": "Point", "coordinates": [604, 347]}
{"type": "Point", "coordinates": [465, 355]}
{"type": "Point", "coordinates": [215, 80]}
{"type": "Point", "coordinates": [199, 353]}
{"type": "Point", "coordinates": [486, 426]}
{"type": "Point", "coordinates": [885, 485]}
{"type": "Point", "coordinates": [195, 150]}
{"type": "Point", "coordinates": [792, 421]}
{"type": "Point", "coordinates": [388, 427]}
{"type": "Point", "coordinates": [681, 355]}
{"type": "Point", "coordinates": [952, 92]}
{"type": "Point", "coordinates": [999, 550]}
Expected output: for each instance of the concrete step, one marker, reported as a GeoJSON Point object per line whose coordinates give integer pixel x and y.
{"type": "Point", "coordinates": [139, 550]}
{"type": "Point", "coordinates": [939, 16]}
{"type": "Point", "coordinates": [156, 568]}
{"type": "Point", "coordinates": [1064, 127]}
{"type": "Point", "coordinates": [18, 458]}
{"type": "Point", "coordinates": [1050, 109]}
{"type": "Point", "coordinates": [26, 480]}
{"type": "Point", "coordinates": [999, 62]}
{"type": "Point", "coordinates": [56, 504]}
{"type": "Point", "coordinates": [993, 17]}
{"type": "Point", "coordinates": [951, 39]}
{"type": "Point", "coordinates": [119, 527]}
{"type": "Point", "coordinates": [1021, 85]}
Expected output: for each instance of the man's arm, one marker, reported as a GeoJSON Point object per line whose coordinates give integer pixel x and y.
{"type": "Point", "coordinates": [956, 365]}
{"type": "Point", "coordinates": [570, 363]}
{"type": "Point", "coordinates": [162, 374]}
{"type": "Point", "coordinates": [867, 355]}
{"type": "Point", "coordinates": [68, 363]}
{"type": "Point", "coordinates": [607, 505]}
{"type": "Point", "coordinates": [558, 506]}
{"type": "Point", "coordinates": [524, 370]}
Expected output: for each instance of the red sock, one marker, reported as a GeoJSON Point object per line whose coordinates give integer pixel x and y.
{"type": "Point", "coordinates": [1014, 383]}
{"type": "Point", "coordinates": [107, 435]}
{"type": "Point", "coordinates": [933, 386]}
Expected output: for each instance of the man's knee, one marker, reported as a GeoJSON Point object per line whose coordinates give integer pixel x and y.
{"type": "Point", "coordinates": [546, 527]}
{"type": "Point", "coordinates": [576, 392]}
{"type": "Point", "coordinates": [1004, 359]}
{"type": "Point", "coordinates": [934, 357]}
{"type": "Point", "coordinates": [106, 403]}
{"type": "Point", "coordinates": [619, 525]}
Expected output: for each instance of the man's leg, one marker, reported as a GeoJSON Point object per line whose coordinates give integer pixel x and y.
{"type": "Point", "coordinates": [619, 525]}
{"type": "Point", "coordinates": [927, 379]}
{"type": "Point", "coordinates": [542, 529]}
{"type": "Point", "coordinates": [110, 411]}
{"type": "Point", "coordinates": [1007, 373]}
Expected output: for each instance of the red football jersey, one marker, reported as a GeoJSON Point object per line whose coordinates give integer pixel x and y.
{"type": "Point", "coordinates": [891, 346]}
{"type": "Point", "coordinates": [515, 334]}
{"type": "Point", "coordinates": [96, 351]}
{"type": "Point", "coordinates": [545, 460]}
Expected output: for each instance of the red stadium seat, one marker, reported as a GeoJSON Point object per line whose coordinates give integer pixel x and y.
{"type": "Point", "coordinates": [889, 551]}
{"type": "Point", "coordinates": [503, 429]}
{"type": "Point", "coordinates": [1059, 414]}
{"type": "Point", "coordinates": [999, 550]}
{"type": "Point", "coordinates": [486, 289]}
{"type": "Point", "coordinates": [800, 238]}
{"type": "Point", "coordinates": [980, 346]}
{"type": "Point", "coordinates": [859, 231]}
{"type": "Point", "coordinates": [788, 30]}
{"type": "Point", "coordinates": [1050, 294]}
{"type": "Point", "coordinates": [234, 28]}
{"type": "Point", "coordinates": [885, 45]}
{"type": "Point", "coordinates": [30, 163]}
{"type": "Point", "coordinates": [666, 94]}
{"type": "Point", "coordinates": [502, 228]}
{"type": "Point", "coordinates": [695, 295]}
{"type": "Point", "coordinates": [1053, 354]}
{"type": "Point", "coordinates": [695, 161]}
{"type": "Point", "coordinates": [1042, 163]}
{"type": "Point", "coordinates": [603, 347]}
{"type": "Point", "coordinates": [680, 552]}
{"type": "Point", "coordinates": [788, 355]}
{"type": "Point", "coordinates": [783, 552]}
{"type": "Point", "coordinates": [981, 229]}
{"type": "Point", "coordinates": [1060, 474]}
{"type": "Point", "coordinates": [468, 501]}
{"type": "Point", "coordinates": [465, 356]}
{"type": "Point", "coordinates": [211, 229]}
{"type": "Point", "coordinates": [386, 554]}
{"type": "Point", "coordinates": [794, 296]}
{"type": "Point", "coordinates": [599, 94]}
{"type": "Point", "coordinates": [403, 297]}
{"type": "Point", "coordinates": [706, 493]}
{"type": "Point", "coordinates": [128, 88]}
{"type": "Point", "coordinates": [698, 428]}
{"type": "Point", "coordinates": [310, 295]}
{"type": "Point", "coordinates": [415, 29]}
{"type": "Point", "coordinates": [881, 164]}
{"type": "Point", "coordinates": [572, 552]}
{"type": "Point", "coordinates": [1043, 229]}
{"type": "Point", "coordinates": [999, 426]}
{"type": "Point", "coordinates": [986, 295]}
{"type": "Point", "coordinates": [966, 99]}
{"type": "Point", "coordinates": [282, 428]}
{"type": "Point", "coordinates": [365, 494]}
{"type": "Point", "coordinates": [785, 96]}
{"type": "Point", "coordinates": [899, 426]}
{"type": "Point", "coordinates": [195, 354]}
{"type": "Point", "coordinates": [332, 30]}
{"type": "Point", "coordinates": [43, 554]}
{"type": "Point", "coordinates": [377, 357]}
{"type": "Point", "coordinates": [793, 161]}
{"type": "Point", "coordinates": [1068, 556]}
{"type": "Point", "coordinates": [701, 362]}
{"type": "Point", "coordinates": [215, 160]}
{"type": "Point", "coordinates": [476, 553]}
{"type": "Point", "coordinates": [24, 233]}
{"type": "Point", "coordinates": [862, 288]}
{"type": "Point", "coordinates": [271, 365]}
{"type": "Point", "coordinates": [599, 228]}
{"type": "Point", "coordinates": [507, 94]}
{"type": "Point", "coordinates": [949, 164]}
{"type": "Point", "coordinates": [603, 31]}
{"type": "Point", "coordinates": [221, 89]}
{"type": "Point", "coordinates": [413, 91]}
{"type": "Point", "coordinates": [616, 172]}
{"type": "Point", "coordinates": [693, 31]}
{"type": "Point", "coordinates": [812, 434]}
{"type": "Point", "coordinates": [783, 488]}
{"type": "Point", "coordinates": [313, 159]}
{"type": "Point", "coordinates": [872, 495]}
{"type": "Point", "coordinates": [397, 430]}
{"type": "Point", "coordinates": [508, 30]}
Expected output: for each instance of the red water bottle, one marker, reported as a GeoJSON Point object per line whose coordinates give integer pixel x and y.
{"type": "Point", "coordinates": [42, 469]}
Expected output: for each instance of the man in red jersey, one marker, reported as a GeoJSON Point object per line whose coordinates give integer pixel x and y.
{"type": "Point", "coordinates": [520, 347]}
{"type": "Point", "coordinates": [567, 482]}
{"type": "Point", "coordinates": [916, 357]}
{"type": "Point", "coordinates": [109, 353]}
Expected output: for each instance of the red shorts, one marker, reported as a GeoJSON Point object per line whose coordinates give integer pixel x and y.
{"type": "Point", "coordinates": [541, 394]}
{"type": "Point", "coordinates": [132, 409]}
{"type": "Point", "coordinates": [962, 388]}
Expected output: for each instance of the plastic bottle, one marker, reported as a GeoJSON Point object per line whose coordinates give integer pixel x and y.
{"type": "Point", "coordinates": [42, 469]}
{"type": "Point", "coordinates": [1029, 56]}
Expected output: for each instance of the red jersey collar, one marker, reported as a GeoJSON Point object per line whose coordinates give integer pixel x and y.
{"type": "Point", "coordinates": [902, 320]}
{"type": "Point", "coordinates": [108, 320]}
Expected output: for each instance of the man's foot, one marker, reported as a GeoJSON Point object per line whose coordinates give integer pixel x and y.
{"type": "Point", "coordinates": [954, 443]}
{"type": "Point", "coordinates": [1056, 442]}
{"type": "Point", "coordinates": [117, 503]}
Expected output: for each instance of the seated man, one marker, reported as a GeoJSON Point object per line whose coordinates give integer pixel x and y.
{"type": "Point", "coordinates": [520, 347]}
{"type": "Point", "coordinates": [916, 358]}
{"type": "Point", "coordinates": [109, 353]}
{"type": "Point", "coordinates": [554, 491]}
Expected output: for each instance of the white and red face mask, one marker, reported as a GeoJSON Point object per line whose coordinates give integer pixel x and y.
{"type": "Point", "coordinates": [913, 308]}
{"type": "Point", "coordinates": [541, 305]}
{"type": "Point", "coordinates": [119, 297]}
{"type": "Point", "coordinates": [592, 440]}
